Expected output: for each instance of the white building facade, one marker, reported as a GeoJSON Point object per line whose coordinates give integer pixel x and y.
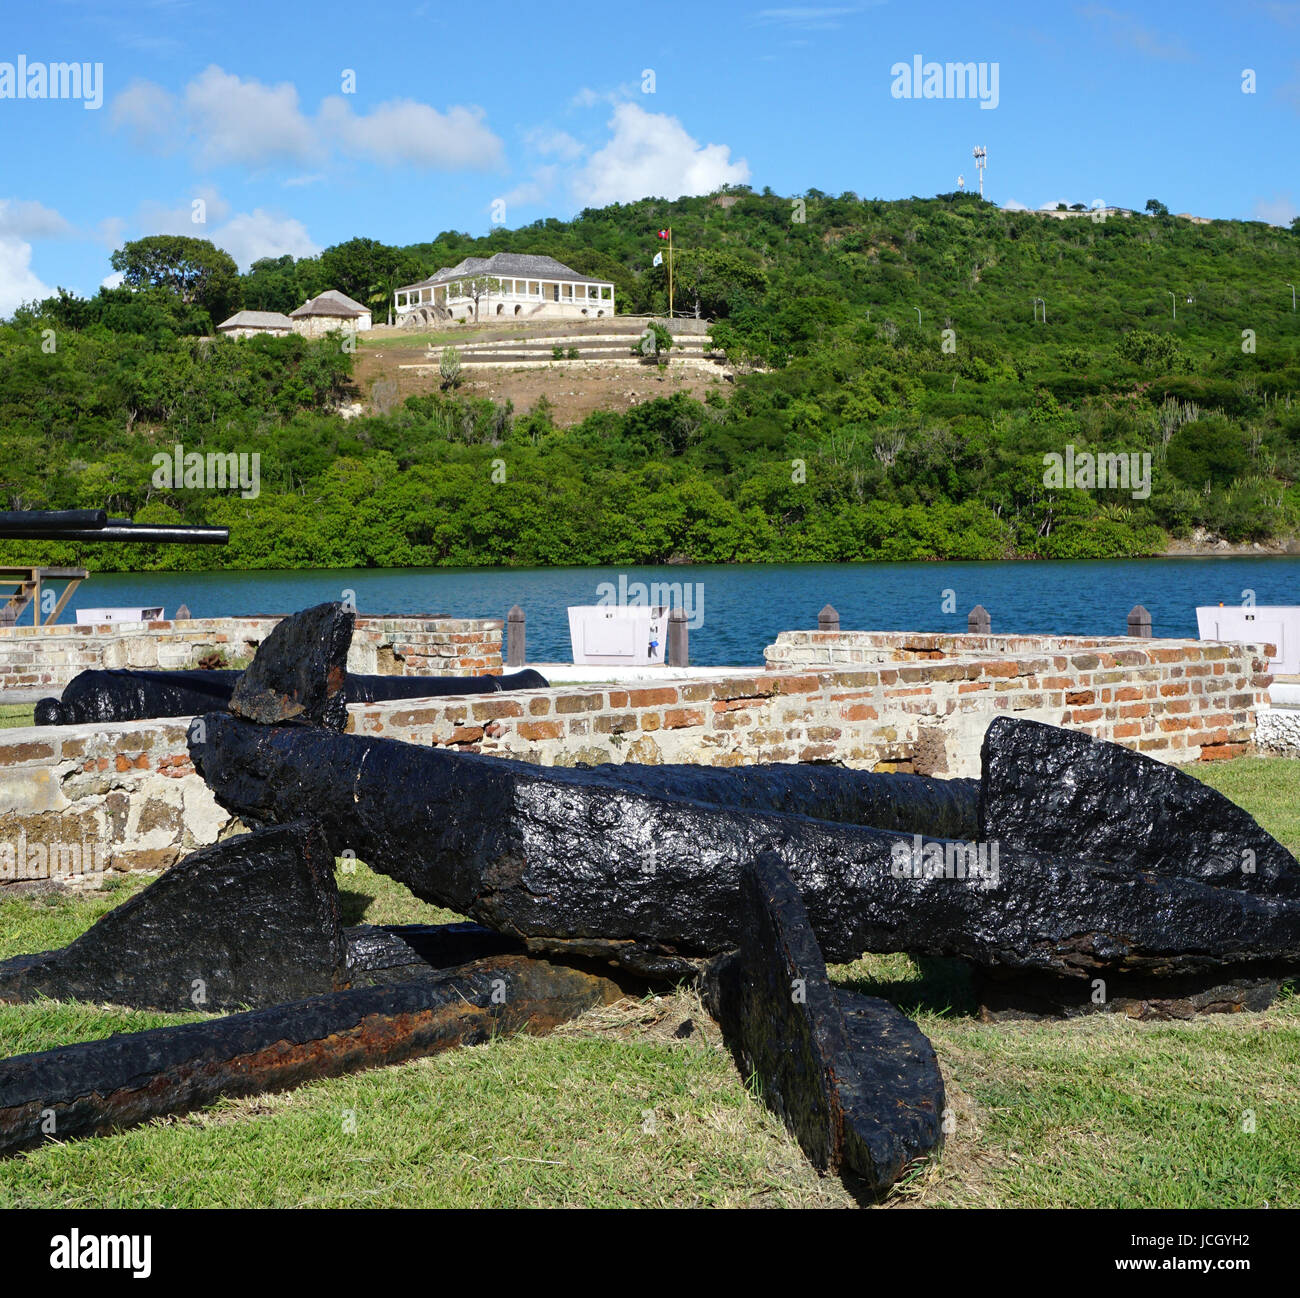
{"type": "Point", "coordinates": [507, 285]}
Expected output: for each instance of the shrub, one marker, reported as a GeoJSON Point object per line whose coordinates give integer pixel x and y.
{"type": "Point", "coordinates": [449, 368]}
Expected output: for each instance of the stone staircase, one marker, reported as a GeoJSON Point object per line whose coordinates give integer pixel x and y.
{"type": "Point", "coordinates": [606, 343]}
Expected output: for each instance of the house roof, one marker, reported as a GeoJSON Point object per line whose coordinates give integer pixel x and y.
{"type": "Point", "coordinates": [335, 296]}
{"type": "Point", "coordinates": [532, 265]}
{"type": "Point", "coordinates": [330, 303]}
{"type": "Point", "coordinates": [257, 320]}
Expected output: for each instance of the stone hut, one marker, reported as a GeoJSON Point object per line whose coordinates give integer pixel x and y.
{"type": "Point", "coordinates": [244, 324]}
{"type": "Point", "coordinates": [329, 311]}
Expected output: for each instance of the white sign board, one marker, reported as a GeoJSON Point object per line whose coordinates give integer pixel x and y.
{"type": "Point", "coordinates": [1275, 624]}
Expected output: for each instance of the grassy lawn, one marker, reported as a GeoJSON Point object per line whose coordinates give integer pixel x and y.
{"type": "Point", "coordinates": [16, 714]}
{"type": "Point", "coordinates": [615, 1109]}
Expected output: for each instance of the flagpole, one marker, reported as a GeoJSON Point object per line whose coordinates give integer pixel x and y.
{"type": "Point", "coordinates": [670, 272]}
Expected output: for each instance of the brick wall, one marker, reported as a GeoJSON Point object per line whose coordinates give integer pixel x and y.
{"type": "Point", "coordinates": [925, 710]}
{"type": "Point", "coordinates": [36, 658]}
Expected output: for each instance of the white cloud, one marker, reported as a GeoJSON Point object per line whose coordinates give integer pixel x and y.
{"type": "Point", "coordinates": [809, 17]}
{"type": "Point", "coordinates": [149, 114]}
{"type": "Point", "coordinates": [162, 218]}
{"type": "Point", "coordinates": [115, 280]}
{"type": "Point", "coordinates": [404, 132]}
{"type": "Point", "coordinates": [650, 155]}
{"type": "Point", "coordinates": [1013, 205]}
{"type": "Point", "coordinates": [246, 236]}
{"type": "Point", "coordinates": [237, 120]}
{"type": "Point", "coordinates": [588, 97]}
{"type": "Point", "coordinates": [110, 232]}
{"type": "Point", "coordinates": [250, 236]}
{"type": "Point", "coordinates": [553, 144]}
{"type": "Point", "coordinates": [1278, 210]}
{"type": "Point", "coordinates": [28, 219]}
{"type": "Point", "coordinates": [231, 120]}
{"type": "Point", "coordinates": [1052, 204]}
{"type": "Point", "coordinates": [536, 189]}
{"type": "Point", "coordinates": [18, 282]}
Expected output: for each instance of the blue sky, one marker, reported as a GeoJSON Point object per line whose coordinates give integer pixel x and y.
{"type": "Point", "coordinates": [248, 110]}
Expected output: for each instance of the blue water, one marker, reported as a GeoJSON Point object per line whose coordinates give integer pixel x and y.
{"type": "Point", "coordinates": [740, 609]}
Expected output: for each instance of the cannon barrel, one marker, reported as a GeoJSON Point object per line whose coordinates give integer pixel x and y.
{"type": "Point", "coordinates": [137, 533]}
{"type": "Point", "coordinates": [62, 521]}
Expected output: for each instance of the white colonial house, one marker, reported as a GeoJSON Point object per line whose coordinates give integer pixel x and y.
{"type": "Point", "coordinates": [507, 284]}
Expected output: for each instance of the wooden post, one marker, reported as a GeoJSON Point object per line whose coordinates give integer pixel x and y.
{"type": "Point", "coordinates": [1139, 622]}
{"type": "Point", "coordinates": [978, 621]}
{"type": "Point", "coordinates": [679, 654]}
{"type": "Point", "coordinates": [828, 619]}
{"type": "Point", "coordinates": [515, 656]}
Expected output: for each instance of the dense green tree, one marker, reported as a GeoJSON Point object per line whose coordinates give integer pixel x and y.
{"type": "Point", "coordinates": [194, 270]}
{"type": "Point", "coordinates": [896, 397]}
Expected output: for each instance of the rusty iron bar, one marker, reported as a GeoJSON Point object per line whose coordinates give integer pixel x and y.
{"type": "Point", "coordinates": [102, 1086]}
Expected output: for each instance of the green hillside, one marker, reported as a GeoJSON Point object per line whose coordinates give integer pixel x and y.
{"type": "Point", "coordinates": [852, 432]}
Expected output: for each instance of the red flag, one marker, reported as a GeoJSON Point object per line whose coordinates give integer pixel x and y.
{"type": "Point", "coordinates": [663, 234]}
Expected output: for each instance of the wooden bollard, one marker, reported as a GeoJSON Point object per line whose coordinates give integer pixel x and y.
{"type": "Point", "coordinates": [978, 621]}
{"type": "Point", "coordinates": [679, 653]}
{"type": "Point", "coordinates": [515, 653]}
{"type": "Point", "coordinates": [828, 619]}
{"type": "Point", "coordinates": [1139, 622]}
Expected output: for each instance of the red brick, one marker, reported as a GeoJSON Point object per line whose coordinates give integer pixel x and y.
{"type": "Point", "coordinates": [678, 718]}
{"type": "Point", "coordinates": [540, 729]}
{"type": "Point", "coordinates": [651, 698]}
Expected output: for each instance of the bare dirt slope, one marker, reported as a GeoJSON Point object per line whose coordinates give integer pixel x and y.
{"type": "Point", "coordinates": [575, 388]}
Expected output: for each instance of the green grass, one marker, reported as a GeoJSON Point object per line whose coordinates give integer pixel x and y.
{"type": "Point", "coordinates": [16, 714]}
{"type": "Point", "coordinates": [615, 1110]}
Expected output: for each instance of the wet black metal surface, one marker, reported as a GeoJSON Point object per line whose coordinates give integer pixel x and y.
{"type": "Point", "coordinates": [96, 525]}
{"type": "Point", "coordinates": [911, 803]}
{"type": "Point", "coordinates": [545, 852]}
{"type": "Point", "coordinates": [855, 1081]}
{"type": "Point", "coordinates": [402, 952]}
{"type": "Point", "coordinates": [298, 671]}
{"type": "Point", "coordinates": [123, 694]}
{"type": "Point", "coordinates": [13, 521]}
{"type": "Point", "coordinates": [1059, 792]}
{"type": "Point", "coordinates": [251, 921]}
{"type": "Point", "coordinates": [101, 1086]}
{"type": "Point", "coordinates": [112, 694]}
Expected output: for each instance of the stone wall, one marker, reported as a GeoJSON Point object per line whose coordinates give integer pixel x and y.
{"type": "Point", "coordinates": [47, 658]}
{"type": "Point", "coordinates": [132, 786]}
{"type": "Point", "coordinates": [75, 800]}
